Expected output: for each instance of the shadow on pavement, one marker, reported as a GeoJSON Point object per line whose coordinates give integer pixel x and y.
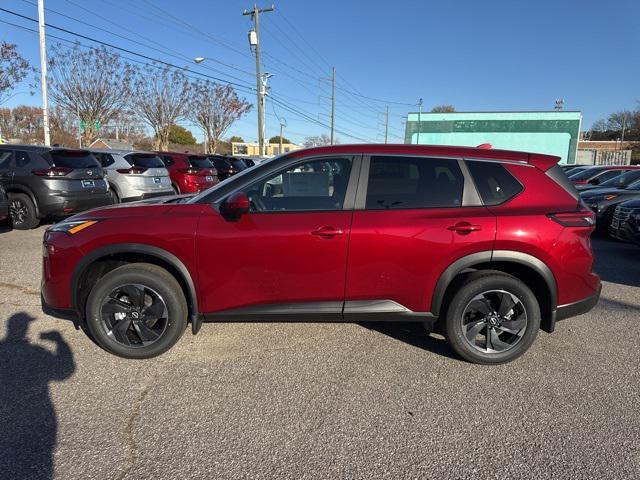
{"type": "Point", "coordinates": [27, 416]}
{"type": "Point", "coordinates": [617, 262]}
{"type": "Point", "coordinates": [412, 333]}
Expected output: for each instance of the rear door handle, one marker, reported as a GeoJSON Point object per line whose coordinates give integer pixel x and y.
{"type": "Point", "coordinates": [327, 232]}
{"type": "Point", "coordinates": [464, 228]}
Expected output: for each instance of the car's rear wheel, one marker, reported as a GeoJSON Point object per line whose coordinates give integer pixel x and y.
{"type": "Point", "coordinates": [137, 311]}
{"type": "Point", "coordinates": [492, 319]}
{"type": "Point", "coordinates": [22, 212]}
{"type": "Point", "coordinates": [115, 199]}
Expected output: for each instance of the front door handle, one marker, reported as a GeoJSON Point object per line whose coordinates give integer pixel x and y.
{"type": "Point", "coordinates": [327, 232]}
{"type": "Point", "coordinates": [464, 228]}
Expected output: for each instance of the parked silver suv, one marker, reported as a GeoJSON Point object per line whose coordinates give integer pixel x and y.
{"type": "Point", "coordinates": [134, 175]}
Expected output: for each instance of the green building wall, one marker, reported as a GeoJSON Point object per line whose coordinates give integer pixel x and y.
{"type": "Point", "coordinates": [554, 133]}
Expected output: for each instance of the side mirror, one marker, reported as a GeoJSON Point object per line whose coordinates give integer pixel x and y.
{"type": "Point", "coordinates": [236, 205]}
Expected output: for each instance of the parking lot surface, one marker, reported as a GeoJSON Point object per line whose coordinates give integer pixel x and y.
{"type": "Point", "coordinates": [243, 400]}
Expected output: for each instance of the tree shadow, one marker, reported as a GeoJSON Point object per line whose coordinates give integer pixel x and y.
{"type": "Point", "coordinates": [27, 415]}
{"type": "Point", "coordinates": [414, 334]}
{"type": "Point", "coordinates": [616, 262]}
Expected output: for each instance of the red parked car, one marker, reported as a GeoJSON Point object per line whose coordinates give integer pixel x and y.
{"type": "Point", "coordinates": [486, 246]}
{"type": "Point", "coordinates": [189, 173]}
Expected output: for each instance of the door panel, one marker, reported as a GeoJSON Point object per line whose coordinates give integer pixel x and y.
{"type": "Point", "coordinates": [400, 254]}
{"type": "Point", "coordinates": [271, 258]}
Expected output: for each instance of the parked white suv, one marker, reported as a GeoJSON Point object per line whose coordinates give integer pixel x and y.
{"type": "Point", "coordinates": [134, 175]}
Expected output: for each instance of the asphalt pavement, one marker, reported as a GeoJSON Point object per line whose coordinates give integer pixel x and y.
{"type": "Point", "coordinates": [265, 401]}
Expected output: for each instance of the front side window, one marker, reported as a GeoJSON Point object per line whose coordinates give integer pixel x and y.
{"type": "Point", "coordinates": [5, 159]}
{"type": "Point", "coordinates": [313, 185]}
{"type": "Point", "coordinates": [413, 182]}
{"type": "Point", "coordinates": [495, 184]}
{"type": "Point", "coordinates": [22, 159]}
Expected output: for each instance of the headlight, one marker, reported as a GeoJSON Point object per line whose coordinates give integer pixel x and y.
{"type": "Point", "coordinates": [72, 227]}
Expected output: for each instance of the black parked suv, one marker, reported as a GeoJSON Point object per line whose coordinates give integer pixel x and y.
{"type": "Point", "coordinates": [227, 166]}
{"type": "Point", "coordinates": [603, 201]}
{"type": "Point", "coordinates": [625, 224]}
{"type": "Point", "coordinates": [50, 182]}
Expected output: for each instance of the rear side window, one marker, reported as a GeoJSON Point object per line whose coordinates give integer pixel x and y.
{"type": "Point", "coordinates": [105, 159]}
{"type": "Point", "coordinates": [70, 159]}
{"type": "Point", "coordinates": [494, 183]}
{"type": "Point", "coordinates": [167, 160]}
{"type": "Point", "coordinates": [200, 162]}
{"type": "Point", "coordinates": [22, 159]}
{"type": "Point", "coordinates": [558, 176]}
{"type": "Point", "coordinates": [144, 160]}
{"type": "Point", "coordinates": [413, 182]}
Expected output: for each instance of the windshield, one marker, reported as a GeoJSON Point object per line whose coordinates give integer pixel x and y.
{"type": "Point", "coordinates": [575, 171]}
{"type": "Point", "coordinates": [144, 160]}
{"type": "Point", "coordinates": [586, 174]}
{"type": "Point", "coordinates": [238, 176]}
{"type": "Point", "coordinates": [622, 180]}
{"type": "Point", "coordinates": [634, 186]}
{"type": "Point", "coordinates": [200, 162]}
{"type": "Point", "coordinates": [71, 159]}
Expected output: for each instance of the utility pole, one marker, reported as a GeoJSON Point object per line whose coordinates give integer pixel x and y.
{"type": "Point", "coordinates": [43, 74]}
{"type": "Point", "coordinates": [333, 103]}
{"type": "Point", "coordinates": [254, 41]}
{"type": "Point", "coordinates": [283, 123]}
{"type": "Point", "coordinates": [419, 121]}
{"type": "Point", "coordinates": [386, 124]}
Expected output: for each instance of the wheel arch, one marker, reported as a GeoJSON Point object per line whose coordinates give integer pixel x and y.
{"type": "Point", "coordinates": [529, 269]}
{"type": "Point", "coordinates": [102, 260]}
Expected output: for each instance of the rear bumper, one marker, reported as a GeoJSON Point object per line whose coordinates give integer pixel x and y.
{"type": "Point", "coordinates": [63, 205]}
{"type": "Point", "coordinates": [574, 309]}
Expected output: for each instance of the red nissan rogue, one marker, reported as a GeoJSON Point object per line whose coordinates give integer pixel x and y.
{"type": "Point", "coordinates": [189, 173]}
{"type": "Point", "coordinates": [485, 246]}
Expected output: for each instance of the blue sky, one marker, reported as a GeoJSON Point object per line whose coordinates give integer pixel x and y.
{"type": "Point", "coordinates": [475, 55]}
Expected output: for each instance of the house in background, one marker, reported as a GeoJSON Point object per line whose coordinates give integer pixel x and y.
{"type": "Point", "coordinates": [253, 150]}
{"type": "Point", "coordinates": [110, 143]}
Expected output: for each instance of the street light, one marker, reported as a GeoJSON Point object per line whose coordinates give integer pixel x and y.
{"type": "Point", "coordinates": [199, 59]}
{"type": "Point", "coordinates": [419, 121]}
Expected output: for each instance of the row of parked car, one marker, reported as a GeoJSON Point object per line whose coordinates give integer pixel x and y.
{"type": "Point", "coordinates": [37, 182]}
{"type": "Point", "coordinates": [613, 193]}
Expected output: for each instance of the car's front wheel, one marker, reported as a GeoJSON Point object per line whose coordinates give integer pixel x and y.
{"type": "Point", "coordinates": [493, 318]}
{"type": "Point", "coordinates": [137, 311]}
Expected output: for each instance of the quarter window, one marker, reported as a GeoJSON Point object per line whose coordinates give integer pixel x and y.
{"type": "Point", "coordinates": [414, 182]}
{"type": "Point", "coordinates": [495, 184]}
{"type": "Point", "coordinates": [314, 185]}
{"type": "Point", "coordinates": [22, 159]}
{"type": "Point", "coordinates": [5, 159]}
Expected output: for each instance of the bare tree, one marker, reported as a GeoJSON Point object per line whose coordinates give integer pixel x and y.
{"type": "Point", "coordinates": [94, 84]}
{"type": "Point", "coordinates": [215, 108]}
{"type": "Point", "coordinates": [318, 141]}
{"type": "Point", "coordinates": [443, 109]}
{"type": "Point", "coordinates": [13, 69]}
{"type": "Point", "coordinates": [161, 99]}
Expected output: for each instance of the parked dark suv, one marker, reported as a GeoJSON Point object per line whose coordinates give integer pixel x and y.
{"type": "Point", "coordinates": [485, 246]}
{"type": "Point", "coordinates": [227, 166]}
{"type": "Point", "coordinates": [50, 182]}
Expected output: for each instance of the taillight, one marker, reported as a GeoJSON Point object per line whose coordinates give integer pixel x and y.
{"type": "Point", "coordinates": [132, 170]}
{"type": "Point", "coordinates": [579, 218]}
{"type": "Point", "coordinates": [190, 170]}
{"type": "Point", "coordinates": [53, 172]}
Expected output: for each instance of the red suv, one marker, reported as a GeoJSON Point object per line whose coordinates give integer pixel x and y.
{"type": "Point", "coordinates": [189, 173]}
{"type": "Point", "coordinates": [485, 246]}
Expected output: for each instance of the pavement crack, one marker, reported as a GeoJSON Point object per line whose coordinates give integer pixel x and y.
{"type": "Point", "coordinates": [132, 448]}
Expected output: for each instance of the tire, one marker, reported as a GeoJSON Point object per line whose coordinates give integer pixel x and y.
{"type": "Point", "coordinates": [114, 195]}
{"type": "Point", "coordinates": [161, 314]}
{"type": "Point", "coordinates": [22, 212]}
{"type": "Point", "coordinates": [475, 310]}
